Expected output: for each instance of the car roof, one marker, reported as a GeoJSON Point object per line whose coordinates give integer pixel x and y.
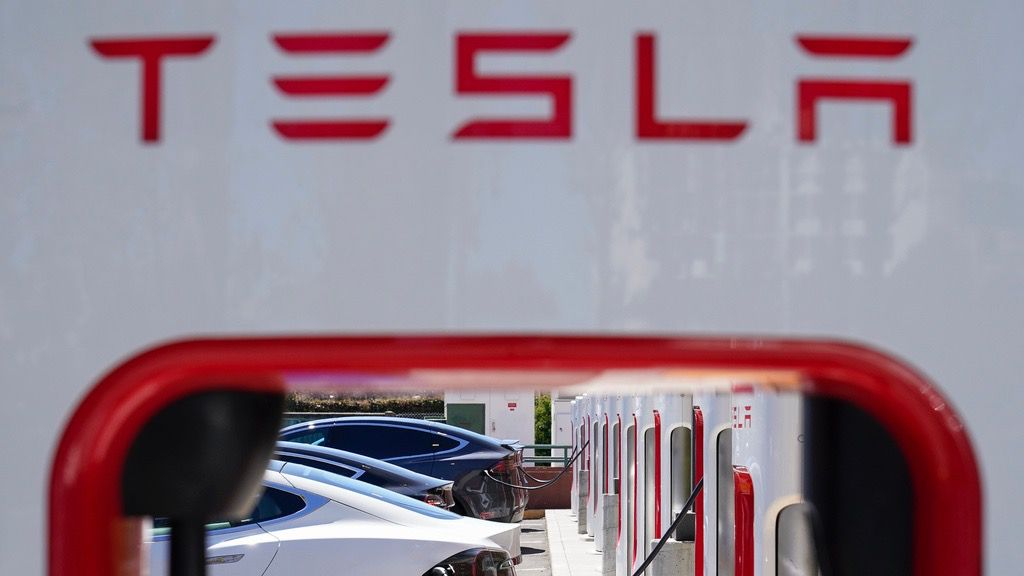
{"type": "Point", "coordinates": [468, 435]}
{"type": "Point", "coordinates": [372, 464]}
{"type": "Point", "coordinates": [374, 500]}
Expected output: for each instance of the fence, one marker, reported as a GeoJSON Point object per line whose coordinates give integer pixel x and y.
{"type": "Point", "coordinates": [544, 454]}
{"type": "Point", "coordinates": [297, 417]}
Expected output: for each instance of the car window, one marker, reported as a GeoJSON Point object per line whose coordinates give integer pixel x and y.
{"type": "Point", "coordinates": [445, 443]}
{"type": "Point", "coordinates": [376, 480]}
{"type": "Point", "coordinates": [272, 504]}
{"type": "Point", "coordinates": [381, 440]}
{"type": "Point", "coordinates": [315, 437]}
{"type": "Point", "coordinates": [370, 490]}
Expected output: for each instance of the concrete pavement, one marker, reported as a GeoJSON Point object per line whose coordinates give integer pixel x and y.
{"type": "Point", "coordinates": [572, 554]}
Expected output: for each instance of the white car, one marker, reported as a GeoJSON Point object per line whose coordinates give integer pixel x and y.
{"type": "Point", "coordinates": [310, 522]}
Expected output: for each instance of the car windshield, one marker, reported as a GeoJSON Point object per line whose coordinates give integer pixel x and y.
{"type": "Point", "coordinates": [370, 490]}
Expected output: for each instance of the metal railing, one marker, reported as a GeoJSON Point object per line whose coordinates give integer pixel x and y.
{"type": "Point", "coordinates": [544, 454]}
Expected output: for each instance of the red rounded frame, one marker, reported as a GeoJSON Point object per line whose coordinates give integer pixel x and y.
{"type": "Point", "coordinates": [84, 510]}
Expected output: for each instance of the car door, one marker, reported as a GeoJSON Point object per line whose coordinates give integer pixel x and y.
{"type": "Point", "coordinates": [236, 548]}
{"type": "Point", "coordinates": [231, 550]}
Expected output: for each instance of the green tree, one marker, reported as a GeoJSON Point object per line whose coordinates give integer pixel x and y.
{"type": "Point", "coordinates": [542, 423]}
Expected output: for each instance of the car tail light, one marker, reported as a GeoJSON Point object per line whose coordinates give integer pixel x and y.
{"type": "Point", "coordinates": [435, 500]}
{"type": "Point", "coordinates": [505, 465]}
{"type": "Point", "coordinates": [475, 562]}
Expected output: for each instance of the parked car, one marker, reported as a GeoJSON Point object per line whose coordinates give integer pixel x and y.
{"type": "Point", "coordinates": [481, 467]}
{"type": "Point", "coordinates": [434, 491]}
{"type": "Point", "coordinates": [316, 523]}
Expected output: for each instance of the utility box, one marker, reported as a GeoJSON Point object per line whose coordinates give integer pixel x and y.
{"type": "Point", "coordinates": [471, 416]}
{"type": "Point", "coordinates": [561, 420]}
{"type": "Point", "coordinates": [506, 415]}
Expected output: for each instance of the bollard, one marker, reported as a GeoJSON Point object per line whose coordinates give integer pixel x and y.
{"type": "Point", "coordinates": [596, 525]}
{"type": "Point", "coordinates": [593, 513]}
{"type": "Point", "coordinates": [610, 529]}
{"type": "Point", "coordinates": [573, 496]}
{"type": "Point", "coordinates": [674, 558]}
{"type": "Point", "coordinates": [582, 489]}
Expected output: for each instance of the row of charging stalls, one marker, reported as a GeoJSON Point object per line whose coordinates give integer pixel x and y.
{"type": "Point", "coordinates": [639, 449]}
{"type": "Point", "coordinates": [754, 516]}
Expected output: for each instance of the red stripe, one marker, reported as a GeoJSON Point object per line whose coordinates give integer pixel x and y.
{"type": "Point", "coordinates": [330, 86]}
{"type": "Point", "coordinates": [329, 129]}
{"type": "Point", "coordinates": [595, 479]}
{"type": "Point", "coordinates": [590, 448]}
{"type": "Point", "coordinates": [604, 463]}
{"type": "Point", "coordinates": [347, 42]}
{"type": "Point", "coordinates": [698, 474]}
{"type": "Point", "coordinates": [618, 466]}
{"type": "Point", "coordinates": [854, 46]}
{"type": "Point", "coordinates": [636, 478]}
{"type": "Point", "coordinates": [125, 47]}
{"type": "Point", "coordinates": [526, 42]}
{"type": "Point", "coordinates": [743, 489]}
{"type": "Point", "coordinates": [657, 474]}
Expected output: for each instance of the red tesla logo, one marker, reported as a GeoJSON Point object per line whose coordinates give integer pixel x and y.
{"type": "Point", "coordinates": [151, 51]}
{"type": "Point", "coordinates": [810, 91]}
{"type": "Point", "coordinates": [741, 420]}
{"type": "Point", "coordinates": [650, 127]}
{"type": "Point", "coordinates": [558, 89]}
{"type": "Point", "coordinates": [330, 86]}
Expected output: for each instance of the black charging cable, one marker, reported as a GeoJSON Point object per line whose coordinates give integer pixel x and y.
{"type": "Point", "coordinates": [546, 483]}
{"type": "Point", "coordinates": [671, 529]}
{"type": "Point", "coordinates": [532, 477]}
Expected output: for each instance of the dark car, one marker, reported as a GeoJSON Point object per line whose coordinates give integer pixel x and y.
{"type": "Point", "coordinates": [481, 467]}
{"type": "Point", "coordinates": [431, 490]}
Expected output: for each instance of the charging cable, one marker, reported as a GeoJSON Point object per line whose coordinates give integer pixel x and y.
{"type": "Point", "coordinates": [546, 483]}
{"type": "Point", "coordinates": [671, 529]}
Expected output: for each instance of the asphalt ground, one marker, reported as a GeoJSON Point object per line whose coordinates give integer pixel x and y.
{"type": "Point", "coordinates": [534, 543]}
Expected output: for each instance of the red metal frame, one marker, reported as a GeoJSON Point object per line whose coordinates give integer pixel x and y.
{"type": "Point", "coordinates": [618, 466]}
{"type": "Point", "coordinates": [84, 498]}
{"type": "Point", "coordinates": [698, 505]}
{"type": "Point", "coordinates": [592, 478]}
{"type": "Point", "coordinates": [743, 491]}
{"type": "Point", "coordinates": [590, 443]}
{"type": "Point", "coordinates": [657, 474]}
{"type": "Point", "coordinates": [636, 482]}
{"type": "Point", "coordinates": [595, 478]}
{"type": "Point", "coordinates": [604, 461]}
